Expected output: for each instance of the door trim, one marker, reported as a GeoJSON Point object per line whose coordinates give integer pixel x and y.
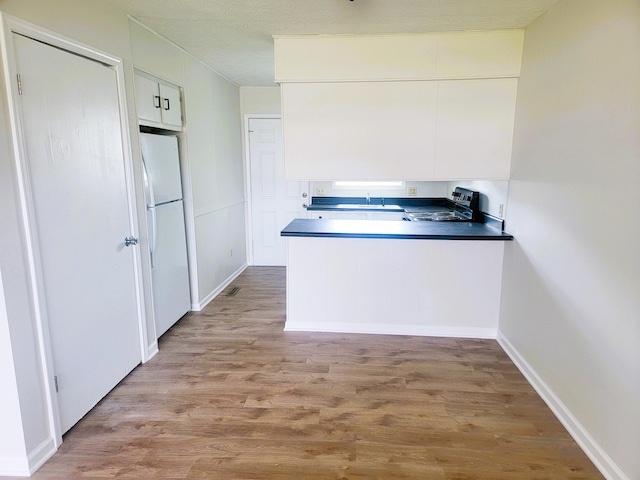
{"type": "Point", "coordinates": [8, 26]}
{"type": "Point", "coordinates": [247, 178]}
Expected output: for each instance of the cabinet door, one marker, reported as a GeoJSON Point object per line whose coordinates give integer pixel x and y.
{"type": "Point", "coordinates": [359, 130]}
{"type": "Point", "coordinates": [148, 100]}
{"type": "Point", "coordinates": [351, 215]}
{"type": "Point", "coordinates": [320, 214]}
{"type": "Point", "coordinates": [393, 216]}
{"type": "Point", "coordinates": [171, 111]}
{"type": "Point", "coordinates": [474, 130]}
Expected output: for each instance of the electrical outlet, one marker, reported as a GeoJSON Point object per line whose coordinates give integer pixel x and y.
{"type": "Point", "coordinates": [412, 191]}
{"type": "Point", "coordinates": [501, 210]}
{"type": "Point", "coordinates": [320, 190]}
{"type": "Point", "coordinates": [231, 253]}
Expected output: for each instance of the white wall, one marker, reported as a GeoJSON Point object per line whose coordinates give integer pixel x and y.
{"type": "Point", "coordinates": [12, 445]}
{"type": "Point", "coordinates": [262, 100]}
{"type": "Point", "coordinates": [227, 134]}
{"type": "Point", "coordinates": [571, 282]}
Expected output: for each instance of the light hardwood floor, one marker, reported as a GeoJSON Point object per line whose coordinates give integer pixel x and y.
{"type": "Point", "coordinates": [232, 396]}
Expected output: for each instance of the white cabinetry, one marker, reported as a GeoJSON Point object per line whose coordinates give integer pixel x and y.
{"type": "Point", "coordinates": [416, 299]}
{"type": "Point", "coordinates": [158, 103]}
{"type": "Point", "coordinates": [474, 130]}
{"type": "Point", "coordinates": [359, 130]}
{"type": "Point", "coordinates": [354, 215]}
{"type": "Point", "coordinates": [431, 130]}
{"type": "Point", "coordinates": [385, 215]}
{"type": "Point", "coordinates": [318, 214]}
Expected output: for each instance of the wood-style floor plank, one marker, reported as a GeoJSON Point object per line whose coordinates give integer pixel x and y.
{"type": "Point", "coordinates": [233, 396]}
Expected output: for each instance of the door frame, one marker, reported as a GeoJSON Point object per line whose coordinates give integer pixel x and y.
{"type": "Point", "coordinates": [8, 26]}
{"type": "Point", "coordinates": [247, 178]}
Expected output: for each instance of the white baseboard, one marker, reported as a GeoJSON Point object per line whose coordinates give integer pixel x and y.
{"type": "Point", "coordinates": [152, 351]}
{"type": "Point", "coordinates": [14, 467]}
{"type": "Point", "coordinates": [594, 451]}
{"type": "Point", "coordinates": [26, 466]}
{"type": "Point", "coordinates": [41, 454]}
{"type": "Point", "coordinates": [196, 307]}
{"type": "Point", "coordinates": [391, 329]}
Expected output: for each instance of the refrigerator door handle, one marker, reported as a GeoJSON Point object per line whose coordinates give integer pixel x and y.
{"type": "Point", "coordinates": [151, 208]}
{"type": "Point", "coordinates": [153, 235]}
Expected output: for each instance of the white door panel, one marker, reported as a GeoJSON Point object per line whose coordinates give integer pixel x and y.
{"type": "Point", "coordinates": [75, 164]}
{"type": "Point", "coordinates": [274, 202]}
{"type": "Point", "coordinates": [269, 230]}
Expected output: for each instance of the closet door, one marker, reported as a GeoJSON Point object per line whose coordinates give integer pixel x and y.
{"type": "Point", "coordinates": [76, 173]}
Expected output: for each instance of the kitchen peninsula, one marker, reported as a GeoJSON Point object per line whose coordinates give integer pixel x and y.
{"type": "Point", "coordinates": [394, 277]}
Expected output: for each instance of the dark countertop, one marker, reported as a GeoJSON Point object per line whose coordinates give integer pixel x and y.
{"type": "Point", "coordinates": [303, 227]}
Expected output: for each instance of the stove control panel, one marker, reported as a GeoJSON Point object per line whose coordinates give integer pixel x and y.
{"type": "Point", "coordinates": [466, 198]}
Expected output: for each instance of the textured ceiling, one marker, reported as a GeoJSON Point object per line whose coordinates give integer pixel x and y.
{"type": "Point", "coordinates": [234, 36]}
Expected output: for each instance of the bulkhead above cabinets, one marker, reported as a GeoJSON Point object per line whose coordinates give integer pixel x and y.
{"type": "Point", "coordinates": [158, 102]}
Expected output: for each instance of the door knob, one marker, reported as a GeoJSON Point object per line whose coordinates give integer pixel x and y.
{"type": "Point", "coordinates": [128, 241]}
{"type": "Point", "coordinates": [304, 195]}
{"type": "Point", "coordinates": [304, 205]}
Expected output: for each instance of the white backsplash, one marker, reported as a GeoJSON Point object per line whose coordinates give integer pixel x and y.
{"type": "Point", "coordinates": [425, 189]}
{"type": "Point", "coordinates": [492, 193]}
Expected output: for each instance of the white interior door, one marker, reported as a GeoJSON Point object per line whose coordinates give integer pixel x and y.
{"type": "Point", "coordinates": [75, 163]}
{"type": "Point", "coordinates": [274, 202]}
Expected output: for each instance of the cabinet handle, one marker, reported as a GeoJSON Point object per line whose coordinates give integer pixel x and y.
{"type": "Point", "coordinates": [167, 105]}
{"type": "Point", "coordinates": [156, 101]}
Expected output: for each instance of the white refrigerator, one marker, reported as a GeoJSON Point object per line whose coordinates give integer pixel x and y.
{"type": "Point", "coordinates": [165, 221]}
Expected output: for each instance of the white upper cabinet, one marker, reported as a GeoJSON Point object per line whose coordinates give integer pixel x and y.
{"type": "Point", "coordinates": [474, 130]}
{"type": "Point", "coordinates": [398, 107]}
{"type": "Point", "coordinates": [158, 103]}
{"type": "Point", "coordinates": [365, 131]}
{"type": "Point", "coordinates": [171, 105]}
